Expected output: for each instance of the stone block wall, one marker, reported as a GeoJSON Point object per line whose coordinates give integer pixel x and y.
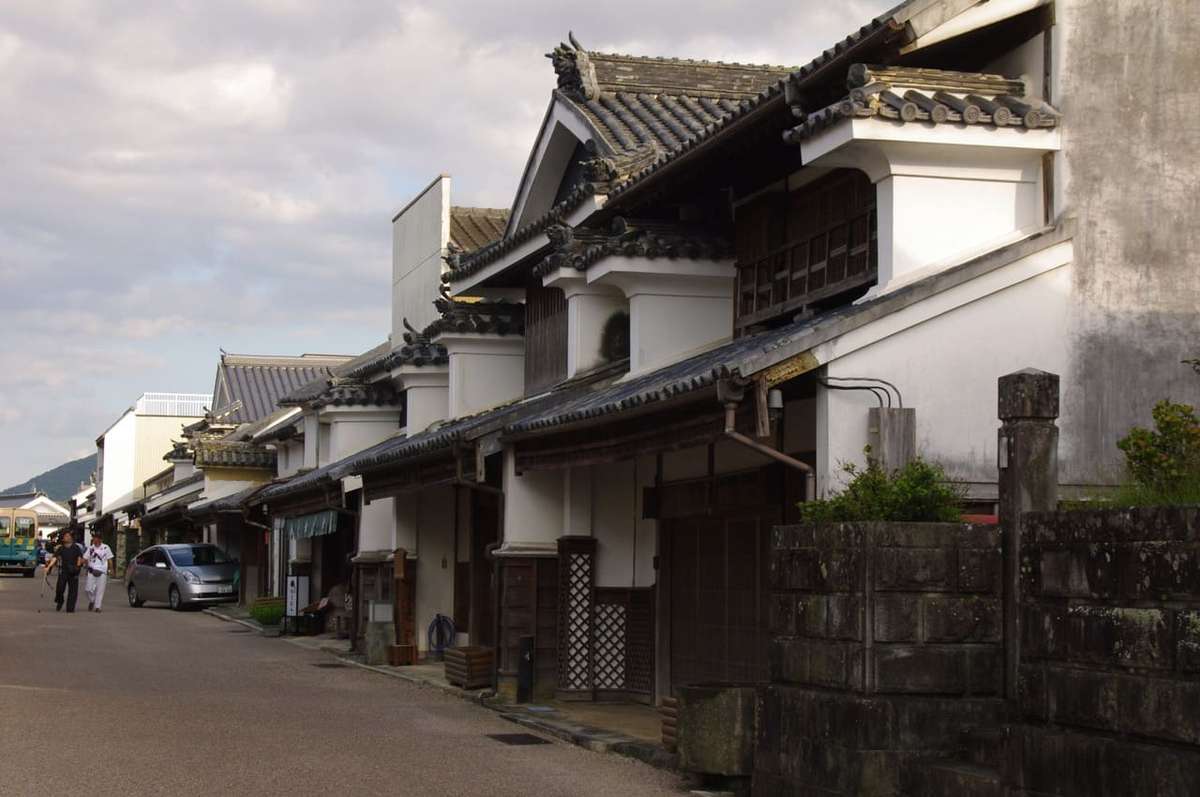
{"type": "Point", "coordinates": [888, 608]}
{"type": "Point", "coordinates": [1109, 677]}
{"type": "Point", "coordinates": [886, 645]}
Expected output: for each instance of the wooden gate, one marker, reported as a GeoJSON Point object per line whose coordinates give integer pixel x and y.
{"type": "Point", "coordinates": [717, 571]}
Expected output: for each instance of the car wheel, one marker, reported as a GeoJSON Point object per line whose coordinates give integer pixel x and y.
{"type": "Point", "coordinates": [175, 599]}
{"type": "Point", "coordinates": [134, 600]}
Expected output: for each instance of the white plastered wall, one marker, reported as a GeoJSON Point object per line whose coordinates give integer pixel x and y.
{"type": "Point", "coordinates": [945, 355]}
{"type": "Point", "coordinates": [675, 306]}
{"type": "Point", "coordinates": [625, 543]}
{"type": "Point", "coordinates": [154, 436]}
{"type": "Point", "coordinates": [943, 193]}
{"type": "Point", "coordinates": [533, 509]}
{"type": "Point", "coordinates": [117, 468]}
{"type": "Point", "coordinates": [353, 430]}
{"type": "Point", "coordinates": [425, 529]}
{"type": "Point", "coordinates": [589, 307]}
{"type": "Point", "coordinates": [485, 371]}
{"type": "Point", "coordinates": [426, 396]}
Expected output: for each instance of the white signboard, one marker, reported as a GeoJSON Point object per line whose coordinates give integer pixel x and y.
{"type": "Point", "coordinates": [297, 595]}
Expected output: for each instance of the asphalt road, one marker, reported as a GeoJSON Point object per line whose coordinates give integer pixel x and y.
{"type": "Point", "coordinates": [150, 701]}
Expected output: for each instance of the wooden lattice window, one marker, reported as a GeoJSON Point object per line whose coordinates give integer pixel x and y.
{"type": "Point", "coordinates": [576, 590]}
{"type": "Point", "coordinates": [798, 248]}
{"type": "Point", "coordinates": [545, 337]}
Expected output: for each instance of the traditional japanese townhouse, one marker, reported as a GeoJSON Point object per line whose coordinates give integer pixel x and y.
{"type": "Point", "coordinates": [410, 385]}
{"type": "Point", "coordinates": [83, 508]}
{"type": "Point", "coordinates": [317, 518]}
{"type": "Point", "coordinates": [575, 560]}
{"type": "Point", "coordinates": [247, 392]}
{"type": "Point", "coordinates": [128, 453]}
{"type": "Point", "coordinates": [164, 518]}
{"type": "Point", "coordinates": [52, 516]}
{"type": "Point", "coordinates": [810, 260]}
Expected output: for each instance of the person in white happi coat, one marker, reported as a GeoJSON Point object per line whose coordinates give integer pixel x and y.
{"type": "Point", "coordinates": [96, 559]}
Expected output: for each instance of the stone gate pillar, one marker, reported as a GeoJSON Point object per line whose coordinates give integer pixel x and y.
{"type": "Point", "coordinates": [1027, 459]}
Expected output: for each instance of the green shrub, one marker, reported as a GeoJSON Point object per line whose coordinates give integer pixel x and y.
{"type": "Point", "coordinates": [918, 492]}
{"type": "Point", "coordinates": [1163, 462]}
{"type": "Point", "coordinates": [267, 611]}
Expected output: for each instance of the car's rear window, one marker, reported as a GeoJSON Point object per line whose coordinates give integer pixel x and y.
{"type": "Point", "coordinates": [198, 555]}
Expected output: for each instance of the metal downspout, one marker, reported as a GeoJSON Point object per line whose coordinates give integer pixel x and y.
{"type": "Point", "coordinates": [731, 432]}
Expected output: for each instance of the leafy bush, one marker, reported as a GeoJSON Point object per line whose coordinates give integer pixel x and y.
{"type": "Point", "coordinates": [1164, 462]}
{"type": "Point", "coordinates": [918, 492]}
{"type": "Point", "coordinates": [267, 611]}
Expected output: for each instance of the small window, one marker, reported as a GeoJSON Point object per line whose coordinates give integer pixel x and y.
{"type": "Point", "coordinates": [4, 523]}
{"type": "Point", "coordinates": [25, 526]}
{"type": "Point", "coordinates": [145, 558]}
{"type": "Point", "coordinates": [160, 556]}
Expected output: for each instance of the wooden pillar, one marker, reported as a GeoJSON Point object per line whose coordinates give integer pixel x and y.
{"type": "Point", "coordinates": [404, 594]}
{"type": "Point", "coordinates": [1027, 457]}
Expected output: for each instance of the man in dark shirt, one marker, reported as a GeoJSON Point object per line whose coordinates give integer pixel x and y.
{"type": "Point", "coordinates": [69, 559]}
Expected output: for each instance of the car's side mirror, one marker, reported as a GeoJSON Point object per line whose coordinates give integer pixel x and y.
{"type": "Point", "coordinates": [161, 565]}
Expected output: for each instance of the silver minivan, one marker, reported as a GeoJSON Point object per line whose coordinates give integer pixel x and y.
{"type": "Point", "coordinates": [182, 575]}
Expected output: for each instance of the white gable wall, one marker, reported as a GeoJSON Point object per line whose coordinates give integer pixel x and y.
{"type": "Point", "coordinates": [117, 468]}
{"type": "Point", "coordinates": [420, 233]}
{"type": "Point", "coordinates": [562, 131]}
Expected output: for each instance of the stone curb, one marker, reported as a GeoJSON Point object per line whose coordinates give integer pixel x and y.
{"type": "Point", "coordinates": [252, 625]}
{"type": "Point", "coordinates": [586, 736]}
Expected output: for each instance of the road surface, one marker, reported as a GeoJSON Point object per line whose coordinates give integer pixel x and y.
{"type": "Point", "coordinates": [150, 701]}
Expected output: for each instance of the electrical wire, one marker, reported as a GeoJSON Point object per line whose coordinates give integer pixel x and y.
{"type": "Point", "coordinates": [878, 392]}
{"type": "Point", "coordinates": [884, 382]}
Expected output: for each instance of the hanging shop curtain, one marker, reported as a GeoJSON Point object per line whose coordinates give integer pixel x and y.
{"type": "Point", "coordinates": [317, 524]}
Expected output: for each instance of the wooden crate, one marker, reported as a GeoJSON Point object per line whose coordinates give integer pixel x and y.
{"type": "Point", "coordinates": [469, 667]}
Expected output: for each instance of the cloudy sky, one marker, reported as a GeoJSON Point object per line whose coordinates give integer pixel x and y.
{"type": "Point", "coordinates": [177, 177]}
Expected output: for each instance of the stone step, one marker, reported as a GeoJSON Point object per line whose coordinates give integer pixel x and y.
{"type": "Point", "coordinates": [956, 779]}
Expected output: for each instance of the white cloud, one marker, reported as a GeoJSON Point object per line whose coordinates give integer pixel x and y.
{"type": "Point", "coordinates": [211, 95]}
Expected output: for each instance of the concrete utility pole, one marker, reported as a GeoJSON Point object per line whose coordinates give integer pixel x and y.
{"type": "Point", "coordinates": [1028, 463]}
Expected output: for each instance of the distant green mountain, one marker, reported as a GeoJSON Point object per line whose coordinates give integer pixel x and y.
{"type": "Point", "coordinates": [59, 483]}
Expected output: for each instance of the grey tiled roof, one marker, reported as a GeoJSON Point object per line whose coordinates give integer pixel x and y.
{"type": "Point", "coordinates": [473, 228]}
{"type": "Point", "coordinates": [9, 500]}
{"type": "Point", "coordinates": [464, 265]}
{"type": "Point", "coordinates": [637, 110]}
{"type": "Point", "coordinates": [301, 482]}
{"type": "Point", "coordinates": [634, 103]}
{"type": "Point", "coordinates": [466, 429]}
{"type": "Point", "coordinates": [233, 454]}
{"type": "Point", "coordinates": [672, 381]}
{"type": "Point", "coordinates": [226, 503]}
{"type": "Point", "coordinates": [480, 318]}
{"type": "Point", "coordinates": [249, 387]}
{"type": "Point", "coordinates": [880, 31]}
{"type": "Point", "coordinates": [363, 366]}
{"type": "Point", "coordinates": [434, 441]}
{"type": "Point", "coordinates": [172, 508]}
{"type": "Point", "coordinates": [579, 247]}
{"type": "Point", "coordinates": [930, 96]}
